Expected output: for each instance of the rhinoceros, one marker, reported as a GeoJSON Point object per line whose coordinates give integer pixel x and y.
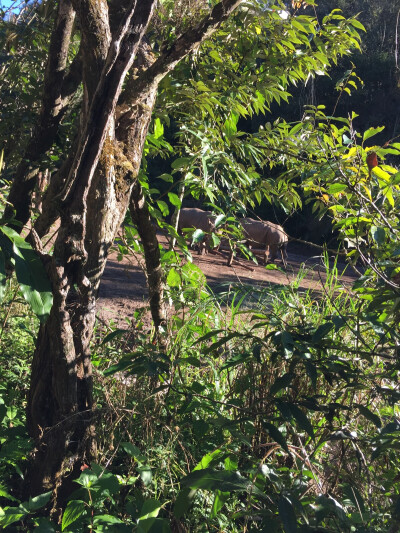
{"type": "Point", "coordinates": [263, 234]}
{"type": "Point", "coordinates": [193, 217]}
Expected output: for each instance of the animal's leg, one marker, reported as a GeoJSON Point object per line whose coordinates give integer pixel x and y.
{"type": "Point", "coordinates": [273, 252]}
{"type": "Point", "coordinates": [284, 254]}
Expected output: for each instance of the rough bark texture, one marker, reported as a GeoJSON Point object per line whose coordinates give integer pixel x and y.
{"type": "Point", "coordinates": [155, 276]}
{"type": "Point", "coordinates": [90, 195]}
{"type": "Point", "coordinates": [58, 88]}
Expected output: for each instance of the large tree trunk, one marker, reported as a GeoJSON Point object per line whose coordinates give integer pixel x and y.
{"type": "Point", "coordinates": [91, 195]}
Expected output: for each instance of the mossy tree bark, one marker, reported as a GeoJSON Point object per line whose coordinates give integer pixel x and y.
{"type": "Point", "coordinates": [90, 195]}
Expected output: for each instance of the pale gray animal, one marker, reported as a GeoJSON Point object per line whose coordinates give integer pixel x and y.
{"type": "Point", "coordinates": [263, 234]}
{"type": "Point", "coordinates": [193, 217]}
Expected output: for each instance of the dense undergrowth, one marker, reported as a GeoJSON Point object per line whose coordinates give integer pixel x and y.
{"type": "Point", "coordinates": [274, 409]}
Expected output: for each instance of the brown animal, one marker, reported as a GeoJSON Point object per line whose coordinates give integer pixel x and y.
{"type": "Point", "coordinates": [193, 217]}
{"type": "Point", "coordinates": [263, 234]}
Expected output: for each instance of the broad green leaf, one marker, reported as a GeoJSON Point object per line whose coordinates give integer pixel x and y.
{"type": "Point", "coordinates": [382, 175]}
{"type": "Point", "coordinates": [198, 236]}
{"type": "Point", "coordinates": [220, 220]}
{"type": "Point", "coordinates": [357, 24]}
{"type": "Point", "coordinates": [378, 234]}
{"type": "Point", "coordinates": [145, 474]}
{"type": "Point", "coordinates": [311, 370]}
{"type": "Point", "coordinates": [114, 334]}
{"type": "Point", "coordinates": [369, 415]}
{"type": "Point", "coordinates": [163, 207]}
{"type": "Point", "coordinates": [150, 509]}
{"type": "Point", "coordinates": [10, 515]}
{"type": "Point", "coordinates": [73, 511]}
{"type": "Point", "coordinates": [184, 501]}
{"type": "Point", "coordinates": [181, 162]}
{"type": "Point", "coordinates": [153, 525]}
{"type": "Point", "coordinates": [287, 515]}
{"type": "Point", "coordinates": [173, 278]}
{"type": "Point", "coordinates": [281, 383]}
{"type": "Point", "coordinates": [3, 491]}
{"type": "Point", "coordinates": [38, 501]}
{"type": "Point", "coordinates": [301, 419]}
{"type": "Point", "coordinates": [354, 495]}
{"type": "Point", "coordinates": [174, 199]}
{"type": "Point", "coordinates": [158, 128]}
{"type": "Point", "coordinates": [33, 281]}
{"type": "Point", "coordinates": [322, 331]}
{"type": "Point", "coordinates": [336, 188]}
{"type": "Point", "coordinates": [275, 434]}
{"type": "Point", "coordinates": [166, 177]}
{"type": "Point", "coordinates": [45, 526]}
{"type": "Point", "coordinates": [134, 451]}
{"type": "Point", "coordinates": [212, 480]}
{"type": "Point", "coordinates": [220, 499]}
{"type": "Point", "coordinates": [106, 519]}
{"type": "Point", "coordinates": [208, 459]}
{"type": "Point", "coordinates": [122, 365]}
{"type": "Point", "coordinates": [371, 132]}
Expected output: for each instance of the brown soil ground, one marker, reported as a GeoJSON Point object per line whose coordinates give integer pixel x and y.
{"type": "Point", "coordinates": [123, 287]}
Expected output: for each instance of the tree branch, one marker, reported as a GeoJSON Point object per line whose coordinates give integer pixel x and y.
{"type": "Point", "coordinates": [179, 49]}
{"type": "Point", "coordinates": [54, 106]}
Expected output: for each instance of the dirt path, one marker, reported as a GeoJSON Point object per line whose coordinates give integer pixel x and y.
{"type": "Point", "coordinates": [123, 288]}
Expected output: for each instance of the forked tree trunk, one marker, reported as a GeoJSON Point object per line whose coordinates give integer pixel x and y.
{"type": "Point", "coordinates": [90, 195]}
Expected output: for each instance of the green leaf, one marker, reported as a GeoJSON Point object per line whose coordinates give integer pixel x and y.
{"type": "Point", "coordinates": [166, 177]}
{"type": "Point", "coordinates": [163, 207]}
{"type": "Point", "coordinates": [198, 236]}
{"type": "Point", "coordinates": [174, 199]}
{"type": "Point", "coordinates": [73, 511]}
{"type": "Point", "coordinates": [38, 501]}
{"type": "Point", "coordinates": [212, 480]}
{"type": "Point", "coordinates": [220, 220]}
{"type": "Point", "coordinates": [208, 459]}
{"type": "Point", "coordinates": [371, 132]}
{"type": "Point", "coordinates": [45, 526]}
{"type": "Point", "coordinates": [276, 435]}
{"type": "Point", "coordinates": [3, 491]}
{"type": "Point", "coordinates": [153, 525]}
{"type": "Point", "coordinates": [281, 383]}
{"type": "Point", "coordinates": [146, 474]}
{"type": "Point", "coordinates": [311, 370]}
{"type": "Point", "coordinates": [173, 278]}
{"type": "Point", "coordinates": [106, 519]}
{"type": "Point", "coordinates": [220, 499]}
{"type": "Point", "coordinates": [378, 234]}
{"type": "Point", "coordinates": [150, 509]}
{"type": "Point", "coordinates": [134, 451]}
{"type": "Point", "coordinates": [287, 515]}
{"type": "Point", "coordinates": [32, 278]}
{"type": "Point", "coordinates": [122, 365]}
{"type": "Point", "coordinates": [181, 162]}
{"type": "Point", "coordinates": [354, 495]}
{"type": "Point", "coordinates": [114, 334]}
{"type": "Point", "coordinates": [336, 188]}
{"type": "Point", "coordinates": [184, 501]}
{"type": "Point", "coordinates": [158, 128]}
{"type": "Point", "coordinates": [369, 415]}
{"type": "Point", "coordinates": [301, 419]}
{"type": "Point", "coordinates": [322, 331]}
